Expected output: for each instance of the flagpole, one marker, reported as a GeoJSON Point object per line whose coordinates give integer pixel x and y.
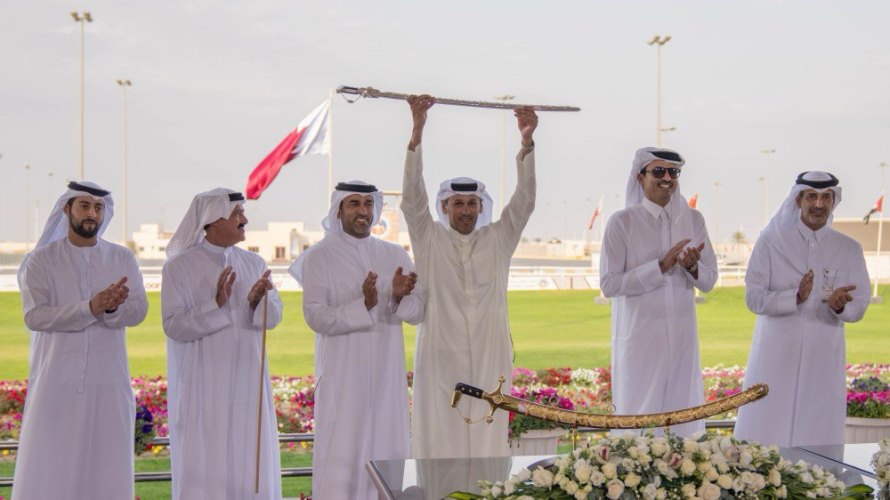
{"type": "Point", "coordinates": [877, 299]}
{"type": "Point", "coordinates": [331, 141]}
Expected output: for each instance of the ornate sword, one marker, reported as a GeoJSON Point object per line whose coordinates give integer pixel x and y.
{"type": "Point", "coordinates": [498, 400]}
{"type": "Point", "coordinates": [374, 93]}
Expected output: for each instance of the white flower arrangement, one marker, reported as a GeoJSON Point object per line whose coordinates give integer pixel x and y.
{"type": "Point", "coordinates": [704, 467]}
{"type": "Point", "coordinates": [881, 463]}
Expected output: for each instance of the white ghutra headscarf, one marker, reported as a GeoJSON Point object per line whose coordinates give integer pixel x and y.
{"type": "Point", "coordinates": [678, 207]}
{"type": "Point", "coordinates": [332, 224]}
{"type": "Point", "coordinates": [57, 223]}
{"type": "Point", "coordinates": [464, 185]}
{"type": "Point", "coordinates": [206, 207]}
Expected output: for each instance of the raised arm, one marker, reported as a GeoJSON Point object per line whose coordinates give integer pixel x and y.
{"type": "Point", "coordinates": [518, 210]}
{"type": "Point", "coordinates": [415, 202]}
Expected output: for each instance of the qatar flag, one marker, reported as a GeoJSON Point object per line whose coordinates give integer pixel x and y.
{"type": "Point", "coordinates": [310, 137]}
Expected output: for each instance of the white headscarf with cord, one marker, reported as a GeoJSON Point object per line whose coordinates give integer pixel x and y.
{"type": "Point", "coordinates": [332, 224]}
{"type": "Point", "coordinates": [206, 207]}
{"type": "Point", "coordinates": [678, 207]}
{"type": "Point", "coordinates": [464, 185]}
{"type": "Point", "coordinates": [57, 224]}
{"type": "Point", "coordinates": [789, 213]}
{"type": "Point", "coordinates": [782, 227]}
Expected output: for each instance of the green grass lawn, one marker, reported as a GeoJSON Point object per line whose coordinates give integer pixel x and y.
{"type": "Point", "coordinates": [550, 329]}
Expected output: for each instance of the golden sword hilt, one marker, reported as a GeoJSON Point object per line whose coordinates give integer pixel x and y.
{"type": "Point", "coordinates": [497, 400]}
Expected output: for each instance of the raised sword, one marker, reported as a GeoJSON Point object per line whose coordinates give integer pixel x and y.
{"type": "Point", "coordinates": [371, 92]}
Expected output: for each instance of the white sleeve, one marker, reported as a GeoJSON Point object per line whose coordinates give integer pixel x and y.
{"type": "Point", "coordinates": [415, 201]}
{"type": "Point", "coordinates": [707, 264]}
{"type": "Point", "coordinates": [758, 296]}
{"type": "Point", "coordinates": [184, 320]}
{"type": "Point", "coordinates": [40, 316]}
{"type": "Point", "coordinates": [518, 210]}
{"type": "Point", "coordinates": [615, 280]}
{"type": "Point", "coordinates": [134, 309]}
{"type": "Point", "coordinates": [322, 316]}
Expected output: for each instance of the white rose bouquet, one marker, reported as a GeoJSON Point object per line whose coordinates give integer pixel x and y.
{"type": "Point", "coordinates": [705, 467]}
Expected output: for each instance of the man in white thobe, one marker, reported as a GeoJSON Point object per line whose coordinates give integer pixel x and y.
{"type": "Point", "coordinates": [463, 262]}
{"type": "Point", "coordinates": [79, 293]}
{"type": "Point", "coordinates": [655, 253]}
{"type": "Point", "coordinates": [804, 281]}
{"type": "Point", "coordinates": [361, 394]}
{"type": "Point", "coordinates": [213, 317]}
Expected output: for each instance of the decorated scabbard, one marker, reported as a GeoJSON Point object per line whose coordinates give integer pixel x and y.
{"type": "Point", "coordinates": [371, 92]}
{"type": "Point", "coordinates": [498, 400]}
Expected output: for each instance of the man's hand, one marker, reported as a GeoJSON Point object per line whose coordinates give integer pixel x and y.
{"type": "Point", "coordinates": [805, 287]}
{"type": "Point", "coordinates": [689, 259]}
{"type": "Point", "coordinates": [110, 299]}
{"type": "Point", "coordinates": [672, 256]}
{"type": "Point", "coordinates": [420, 104]}
{"type": "Point", "coordinates": [839, 298]}
{"type": "Point", "coordinates": [258, 290]}
{"type": "Point", "coordinates": [224, 286]}
{"type": "Point", "coordinates": [369, 290]}
{"type": "Point", "coordinates": [402, 284]}
{"type": "Point", "coordinates": [528, 122]}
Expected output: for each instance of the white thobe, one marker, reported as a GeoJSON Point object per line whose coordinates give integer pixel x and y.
{"type": "Point", "coordinates": [361, 392]}
{"type": "Point", "coordinates": [655, 354]}
{"type": "Point", "coordinates": [465, 336]}
{"type": "Point", "coordinates": [213, 364]}
{"type": "Point", "coordinates": [77, 433]}
{"type": "Point", "coordinates": [799, 350]}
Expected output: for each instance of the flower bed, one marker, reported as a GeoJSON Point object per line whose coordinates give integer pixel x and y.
{"type": "Point", "coordinates": [585, 389]}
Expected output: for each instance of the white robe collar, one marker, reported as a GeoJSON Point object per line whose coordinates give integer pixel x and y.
{"type": "Point", "coordinates": [810, 235]}
{"type": "Point", "coordinates": [654, 208]}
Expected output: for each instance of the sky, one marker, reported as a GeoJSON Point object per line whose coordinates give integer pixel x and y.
{"type": "Point", "coordinates": [216, 85]}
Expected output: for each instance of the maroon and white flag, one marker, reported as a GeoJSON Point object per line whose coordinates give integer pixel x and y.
{"type": "Point", "coordinates": [596, 213]}
{"type": "Point", "coordinates": [310, 137]}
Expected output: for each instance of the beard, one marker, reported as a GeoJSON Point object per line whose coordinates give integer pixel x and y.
{"type": "Point", "coordinates": [83, 232]}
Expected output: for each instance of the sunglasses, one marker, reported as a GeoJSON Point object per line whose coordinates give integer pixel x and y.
{"type": "Point", "coordinates": [658, 172]}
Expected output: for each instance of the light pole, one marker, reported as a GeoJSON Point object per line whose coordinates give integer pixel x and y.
{"type": "Point", "coordinates": [503, 98]}
{"type": "Point", "coordinates": [658, 41]}
{"type": "Point", "coordinates": [27, 207]}
{"type": "Point", "coordinates": [123, 84]}
{"type": "Point", "coordinates": [86, 17]}
{"type": "Point", "coordinates": [766, 173]}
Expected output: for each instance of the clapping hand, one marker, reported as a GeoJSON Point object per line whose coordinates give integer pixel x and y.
{"type": "Point", "coordinates": [258, 290]}
{"type": "Point", "coordinates": [402, 284]}
{"type": "Point", "coordinates": [224, 286]}
{"type": "Point", "coordinates": [110, 299]}
{"type": "Point", "coordinates": [369, 290]}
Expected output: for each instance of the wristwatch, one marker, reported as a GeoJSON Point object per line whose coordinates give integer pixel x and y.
{"type": "Point", "coordinates": [693, 269]}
